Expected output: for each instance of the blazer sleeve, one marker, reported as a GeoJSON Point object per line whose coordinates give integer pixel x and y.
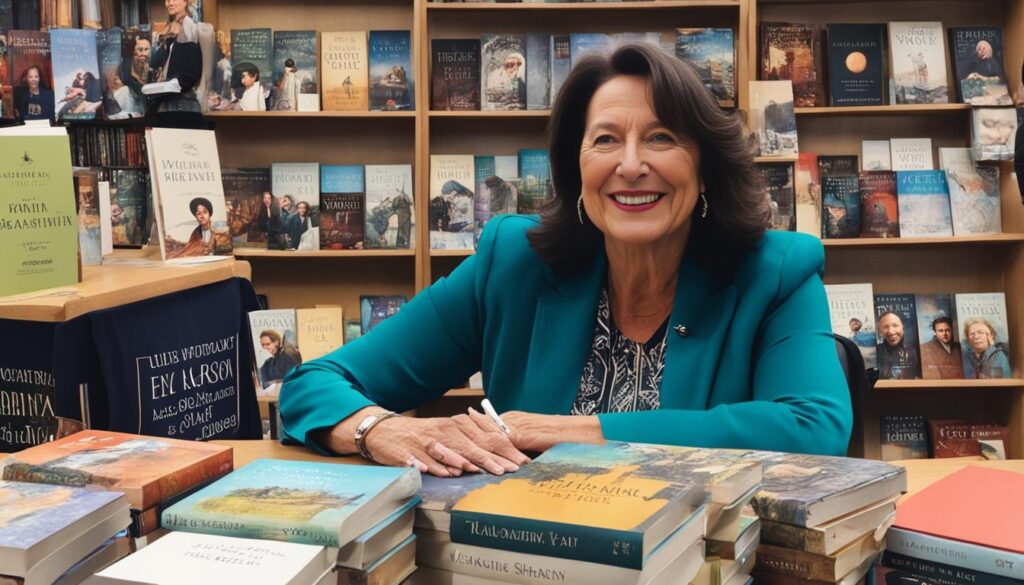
{"type": "Point", "coordinates": [800, 401]}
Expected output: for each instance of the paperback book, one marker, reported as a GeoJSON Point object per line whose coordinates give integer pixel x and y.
{"type": "Point", "coordinates": [538, 77]}
{"type": "Point", "coordinates": [28, 52]}
{"type": "Point", "coordinates": [792, 52]}
{"type": "Point", "coordinates": [455, 74]}
{"type": "Point", "coordinates": [392, 77]}
{"type": "Point", "coordinates": [712, 52]}
{"type": "Point", "coordinates": [561, 63]}
{"type": "Point", "coordinates": [295, 184]}
{"type": "Point", "coordinates": [496, 191]}
{"type": "Point", "coordinates": [941, 355]}
{"type": "Point", "coordinates": [840, 195]}
{"type": "Point", "coordinates": [773, 118]}
{"type": "Point", "coordinates": [390, 221]}
{"type": "Point", "coordinates": [808, 194]}
{"type": "Point", "coordinates": [918, 63]}
{"type": "Point", "coordinates": [855, 64]}
{"type": "Point", "coordinates": [582, 43]}
{"type": "Point", "coordinates": [117, 101]}
{"type": "Point", "coordinates": [252, 51]}
{"type": "Point", "coordinates": [975, 204]}
{"type": "Point", "coordinates": [76, 76]}
{"type": "Point", "coordinates": [90, 247]}
{"type": "Point", "coordinates": [911, 154]}
{"type": "Point", "coordinates": [924, 204]}
{"type": "Point", "coordinates": [319, 331]}
{"type": "Point", "coordinates": [986, 335]}
{"type": "Point", "coordinates": [875, 155]}
{"type": "Point", "coordinates": [778, 183]}
{"type": "Point", "coordinates": [977, 55]}
{"type": "Point", "coordinates": [376, 308]}
{"type": "Point", "coordinates": [879, 207]}
{"type": "Point", "coordinates": [249, 203]}
{"type": "Point", "coordinates": [896, 320]}
{"type": "Point", "coordinates": [295, 76]}
{"type": "Point", "coordinates": [503, 72]}
{"type": "Point", "coordinates": [344, 71]}
{"type": "Point", "coordinates": [993, 133]}
{"type": "Point", "coordinates": [275, 343]}
{"type": "Point", "coordinates": [451, 202]}
{"type": "Point", "coordinates": [903, 437]}
{"type": "Point", "coordinates": [534, 187]}
{"type": "Point", "coordinates": [342, 207]}
{"type": "Point", "coordinates": [851, 307]}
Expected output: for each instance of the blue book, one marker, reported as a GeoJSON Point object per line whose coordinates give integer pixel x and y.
{"type": "Point", "coordinates": [375, 308]}
{"type": "Point", "coordinates": [391, 72]}
{"type": "Point", "coordinates": [295, 76]}
{"type": "Point", "coordinates": [583, 43]}
{"type": "Point", "coordinates": [923, 198]}
{"type": "Point", "coordinates": [303, 502]}
{"type": "Point", "coordinates": [342, 179]}
{"type": "Point", "coordinates": [534, 179]}
{"type": "Point", "coordinates": [496, 192]}
{"type": "Point", "coordinates": [376, 543]}
{"type": "Point", "coordinates": [712, 52]}
{"type": "Point", "coordinates": [855, 64]}
{"type": "Point", "coordinates": [561, 63]}
{"type": "Point", "coordinates": [76, 74]}
{"type": "Point", "coordinates": [538, 72]}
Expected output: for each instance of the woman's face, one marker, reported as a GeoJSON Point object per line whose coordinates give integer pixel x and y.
{"type": "Point", "coordinates": [175, 8]}
{"type": "Point", "coordinates": [979, 337]}
{"type": "Point", "coordinates": [640, 179]}
{"type": "Point", "coordinates": [267, 198]}
{"type": "Point", "coordinates": [33, 79]}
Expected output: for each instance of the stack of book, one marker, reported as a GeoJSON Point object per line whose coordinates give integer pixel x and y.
{"type": "Point", "coordinates": [823, 519]}
{"type": "Point", "coordinates": [975, 540]}
{"type": "Point", "coordinates": [599, 514]}
{"type": "Point", "coordinates": [151, 472]}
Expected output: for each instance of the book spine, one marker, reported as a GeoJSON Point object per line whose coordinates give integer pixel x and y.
{"type": "Point", "coordinates": [782, 561]}
{"type": "Point", "coordinates": [194, 521]}
{"type": "Point", "coordinates": [942, 574]}
{"type": "Point", "coordinates": [794, 537]}
{"type": "Point", "coordinates": [779, 510]}
{"type": "Point", "coordinates": [926, 547]}
{"type": "Point", "coordinates": [144, 522]}
{"type": "Point", "coordinates": [618, 548]}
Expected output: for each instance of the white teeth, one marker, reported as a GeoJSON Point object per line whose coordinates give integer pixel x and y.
{"type": "Point", "coordinates": [637, 200]}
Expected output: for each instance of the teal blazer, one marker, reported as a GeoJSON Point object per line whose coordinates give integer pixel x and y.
{"type": "Point", "coordinates": [758, 369]}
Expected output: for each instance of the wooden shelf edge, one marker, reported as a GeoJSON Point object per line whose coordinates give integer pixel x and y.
{"type": "Point", "coordinates": [260, 253]}
{"type": "Point", "coordinates": [992, 239]}
{"type": "Point", "coordinates": [451, 253]}
{"type": "Point", "coordinates": [921, 109]}
{"type": "Point", "coordinates": [584, 6]}
{"type": "Point", "coordinates": [948, 384]}
{"type": "Point", "coordinates": [490, 114]}
{"type": "Point", "coordinates": [785, 158]}
{"type": "Point", "coordinates": [322, 114]}
{"type": "Point", "coordinates": [464, 392]}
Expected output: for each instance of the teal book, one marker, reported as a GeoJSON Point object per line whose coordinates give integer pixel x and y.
{"type": "Point", "coordinates": [324, 504]}
{"type": "Point", "coordinates": [534, 180]}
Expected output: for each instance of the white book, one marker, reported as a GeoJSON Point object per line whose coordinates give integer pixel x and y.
{"type": "Point", "coordinates": [923, 198]}
{"type": "Point", "coordinates": [875, 156]}
{"type": "Point", "coordinates": [201, 559]}
{"type": "Point", "coordinates": [955, 159]}
{"type": "Point", "coordinates": [773, 118]}
{"type": "Point", "coordinates": [993, 130]}
{"type": "Point", "coordinates": [911, 154]}
{"type": "Point", "coordinates": [390, 211]}
{"type": "Point", "coordinates": [852, 308]}
{"type": "Point", "coordinates": [106, 228]}
{"type": "Point", "coordinates": [451, 201]}
{"type": "Point", "coordinates": [974, 200]}
{"type": "Point", "coordinates": [917, 53]}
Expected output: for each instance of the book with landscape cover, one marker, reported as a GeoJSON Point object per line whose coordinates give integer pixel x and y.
{"type": "Point", "coordinates": [939, 337]}
{"type": "Point", "coordinates": [535, 180]}
{"type": "Point", "coordinates": [773, 118]}
{"type": "Point", "coordinates": [712, 52]}
{"type": "Point", "coordinates": [778, 183]}
{"type": "Point", "coordinates": [924, 204]}
{"type": "Point", "coordinates": [392, 76]}
{"type": "Point", "coordinates": [793, 52]}
{"type": "Point", "coordinates": [855, 64]}
{"type": "Point", "coordinates": [244, 191]}
{"type": "Point", "coordinates": [807, 184]}
{"type": "Point", "coordinates": [27, 49]}
{"type": "Point", "coordinates": [903, 437]}
{"type": "Point", "coordinates": [342, 207]}
{"type": "Point", "coordinates": [840, 201]}
{"type": "Point", "coordinates": [879, 215]}
{"type": "Point", "coordinates": [319, 331]}
{"type": "Point", "coordinates": [974, 201]}
{"type": "Point", "coordinates": [252, 47]}
{"type": "Point", "coordinates": [911, 154]}
{"type": "Point", "coordinates": [451, 202]}
{"type": "Point", "coordinates": [917, 53]}
{"type": "Point", "coordinates": [561, 63]}
{"type": "Point", "coordinates": [303, 502]}
{"type": "Point", "coordinates": [275, 342]}
{"type": "Point", "coordinates": [986, 334]}
{"type": "Point", "coordinates": [390, 220]}
{"type": "Point", "coordinates": [852, 307]}
{"type": "Point", "coordinates": [503, 71]}
{"type": "Point", "coordinates": [455, 74]}
{"type": "Point", "coordinates": [295, 84]}
{"type": "Point", "coordinates": [538, 78]}
{"type": "Point", "coordinates": [148, 470]}
{"type": "Point", "coordinates": [876, 155]}
{"type": "Point", "coordinates": [977, 56]}
{"type": "Point", "coordinates": [896, 321]}
{"type": "Point", "coordinates": [344, 70]}
{"type": "Point", "coordinates": [993, 131]}
{"type": "Point", "coordinates": [76, 74]}
{"type": "Point", "coordinates": [375, 308]}
{"type": "Point", "coordinates": [87, 190]}
{"type": "Point", "coordinates": [496, 191]}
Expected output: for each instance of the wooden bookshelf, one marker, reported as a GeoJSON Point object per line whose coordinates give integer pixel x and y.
{"type": "Point", "coordinates": [259, 253]}
{"type": "Point", "coordinates": [897, 110]}
{"type": "Point", "coordinates": [452, 253]}
{"type": "Point", "coordinates": [967, 385]}
{"type": "Point", "coordinates": [491, 115]}
{"type": "Point", "coordinates": [986, 240]}
{"type": "Point", "coordinates": [579, 7]}
{"type": "Point", "coordinates": [290, 115]}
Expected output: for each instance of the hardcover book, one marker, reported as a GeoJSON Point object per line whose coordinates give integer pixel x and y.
{"type": "Point", "coordinates": [375, 308]}
{"type": "Point", "coordinates": [896, 568]}
{"type": "Point", "coordinates": [840, 199]}
{"type": "Point", "coordinates": [808, 194]}
{"type": "Point", "coordinates": [538, 78]}
{"type": "Point", "coordinates": [792, 52]}
{"type": "Point", "coordinates": [879, 217]}
{"type": "Point", "coordinates": [294, 184]}
{"type": "Point", "coordinates": [977, 55]}
{"type": "Point", "coordinates": [30, 63]}
{"type": "Point", "coordinates": [924, 204]}
{"type": "Point", "coordinates": [534, 187]}
{"type": "Point", "coordinates": [295, 77]}
{"type": "Point", "coordinates": [319, 331]}
{"type": "Point", "coordinates": [392, 77]}
{"type": "Point", "coordinates": [855, 64]}
{"type": "Point", "coordinates": [148, 470]}
{"type": "Point", "coordinates": [941, 357]}
{"type": "Point", "coordinates": [455, 74]}
{"type": "Point", "coordinates": [952, 438]}
{"type": "Point", "coordinates": [986, 335]}
{"type": "Point", "coordinates": [503, 72]}
{"type": "Point", "coordinates": [390, 221]}
{"type": "Point", "coordinates": [851, 307]}
{"type": "Point", "coordinates": [374, 545]}
{"type": "Point", "coordinates": [993, 133]}
{"type": "Point", "coordinates": [245, 194]}
{"type": "Point", "coordinates": [302, 502]}
{"type": "Point", "coordinates": [778, 183]}
{"type": "Point", "coordinates": [87, 189]}
{"type": "Point", "coordinates": [76, 74]}
{"type": "Point", "coordinates": [276, 346]}
{"type": "Point", "coordinates": [773, 118]}
{"type": "Point", "coordinates": [875, 155]}
{"type": "Point", "coordinates": [974, 201]}
{"type": "Point", "coordinates": [918, 63]}
{"type": "Point", "coordinates": [712, 52]}
{"type": "Point", "coordinates": [496, 191]}
{"type": "Point", "coordinates": [342, 207]}
{"type": "Point", "coordinates": [844, 164]}
{"type": "Point", "coordinates": [394, 567]}
{"type": "Point", "coordinates": [252, 49]}
{"type": "Point", "coordinates": [896, 320]}
{"type": "Point", "coordinates": [344, 71]}
{"type": "Point", "coordinates": [911, 154]}
{"type": "Point", "coordinates": [830, 537]}
{"type": "Point", "coordinates": [451, 202]}
{"type": "Point", "coordinates": [903, 437]}
{"type": "Point", "coordinates": [561, 63]}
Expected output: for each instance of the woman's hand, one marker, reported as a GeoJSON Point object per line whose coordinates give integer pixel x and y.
{"type": "Point", "coordinates": [540, 432]}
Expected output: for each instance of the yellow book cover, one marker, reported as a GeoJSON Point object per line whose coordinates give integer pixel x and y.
{"type": "Point", "coordinates": [344, 67]}
{"type": "Point", "coordinates": [320, 331]}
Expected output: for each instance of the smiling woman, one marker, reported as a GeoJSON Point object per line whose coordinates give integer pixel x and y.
{"type": "Point", "coordinates": [646, 303]}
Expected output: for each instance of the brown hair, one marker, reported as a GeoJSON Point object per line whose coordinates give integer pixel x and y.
{"type": "Point", "coordinates": [738, 213]}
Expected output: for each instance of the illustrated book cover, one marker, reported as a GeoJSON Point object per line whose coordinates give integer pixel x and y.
{"type": "Point", "coordinates": [342, 207]}
{"type": "Point", "coordinates": [275, 342]}
{"type": "Point", "coordinates": [896, 321]}
{"type": "Point", "coordinates": [392, 76]}
{"type": "Point", "coordinates": [940, 339]}
{"type": "Point", "coordinates": [451, 202]}
{"type": "Point", "coordinates": [390, 221]}
{"type": "Point", "coordinates": [852, 307]}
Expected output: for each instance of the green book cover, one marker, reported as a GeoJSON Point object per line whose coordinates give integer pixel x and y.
{"type": "Point", "coordinates": [39, 228]}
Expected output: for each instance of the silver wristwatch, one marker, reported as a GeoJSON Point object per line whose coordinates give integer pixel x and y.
{"type": "Point", "coordinates": [368, 422]}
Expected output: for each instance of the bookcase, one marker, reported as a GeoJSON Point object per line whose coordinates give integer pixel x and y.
{"type": "Point", "coordinates": [948, 265]}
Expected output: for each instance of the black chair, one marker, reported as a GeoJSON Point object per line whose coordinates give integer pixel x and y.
{"type": "Point", "coordinates": [860, 381]}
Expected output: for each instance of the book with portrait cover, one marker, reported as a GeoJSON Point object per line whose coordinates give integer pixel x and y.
{"type": "Point", "coordinates": [136, 48]}
{"type": "Point", "coordinates": [807, 184]}
{"type": "Point", "coordinates": [252, 47]}
{"type": "Point", "coordinates": [941, 344]}
{"type": "Point", "coordinates": [275, 344]}
{"type": "Point", "coordinates": [852, 307]}
{"type": "Point", "coordinates": [87, 190]}
{"type": "Point", "coordinates": [911, 154]}
{"type": "Point", "coordinates": [375, 308]}
{"type": "Point", "coordinates": [917, 53]}
{"type": "Point", "coordinates": [244, 193]}
{"type": "Point", "coordinates": [291, 184]}
{"type": "Point", "coordinates": [342, 207]}
{"type": "Point", "coordinates": [879, 215]}
{"type": "Point", "coordinates": [503, 72]}
{"type": "Point", "coordinates": [451, 202]}
{"type": "Point", "coordinates": [993, 131]}
{"type": "Point", "coordinates": [295, 501]}
{"type": "Point", "coordinates": [986, 335]}
{"type": "Point", "coordinates": [840, 200]}
{"type": "Point", "coordinates": [896, 322]}
{"type": "Point", "coordinates": [319, 331]}
{"type": "Point", "coordinates": [793, 52]}
{"type": "Point", "coordinates": [773, 118]}
{"type": "Point", "coordinates": [875, 155]}
{"type": "Point", "coordinates": [712, 52]}
{"type": "Point", "coordinates": [534, 180]}
{"type": "Point", "coordinates": [777, 179]}
{"type": "Point", "coordinates": [392, 79]}
{"type": "Point", "coordinates": [924, 204]}
{"type": "Point", "coordinates": [977, 55]}
{"type": "Point", "coordinates": [148, 470]}
{"type": "Point", "coordinates": [974, 200]}
{"type": "Point", "coordinates": [455, 74]}
{"type": "Point", "coordinates": [496, 192]}
{"type": "Point", "coordinates": [29, 56]}
{"type": "Point", "coordinates": [538, 79]}
{"type": "Point", "coordinates": [903, 437]}
{"type": "Point", "coordinates": [855, 64]}
{"type": "Point", "coordinates": [390, 221]}
{"type": "Point", "coordinates": [115, 92]}
{"type": "Point", "coordinates": [344, 70]}
{"type": "Point", "coordinates": [76, 74]}
{"type": "Point", "coordinates": [561, 63]}
{"type": "Point", "coordinates": [295, 76]}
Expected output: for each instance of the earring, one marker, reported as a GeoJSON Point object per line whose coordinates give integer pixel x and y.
{"type": "Point", "coordinates": [704, 210]}
{"type": "Point", "coordinates": [579, 208]}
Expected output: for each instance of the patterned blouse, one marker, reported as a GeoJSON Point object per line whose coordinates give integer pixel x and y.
{"type": "Point", "coordinates": [621, 375]}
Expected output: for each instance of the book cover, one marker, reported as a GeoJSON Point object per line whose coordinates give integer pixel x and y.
{"type": "Point", "coordinates": [911, 154]}
{"type": "Point", "coordinates": [977, 56]}
{"type": "Point", "coordinates": [345, 71]}
{"type": "Point", "coordinates": [31, 70]}
{"type": "Point", "coordinates": [295, 75]}
{"type": "Point", "coordinates": [993, 439]}
{"type": "Point", "coordinates": [451, 202]}
{"type": "Point", "coordinates": [840, 199]}
{"type": "Point", "coordinates": [793, 52]}
{"type": "Point", "coordinates": [778, 183]}
{"type": "Point", "coordinates": [303, 502]}
{"type": "Point", "coordinates": [952, 438]}
{"type": "Point", "coordinates": [276, 346]}
{"type": "Point", "coordinates": [76, 74]}
{"type": "Point", "coordinates": [582, 43]}
{"type": "Point", "coordinates": [896, 321]}
{"type": "Point", "coordinates": [924, 204]}
{"type": "Point", "coordinates": [148, 470]}
{"type": "Point", "coordinates": [974, 201]}
{"type": "Point", "coordinates": [807, 184]}
{"type": "Point", "coordinates": [37, 196]}
{"type": "Point", "coordinates": [112, 87]}
{"type": "Point", "coordinates": [191, 217]}
{"type": "Point", "coordinates": [538, 78]}
{"type": "Point", "coordinates": [896, 568]}
{"type": "Point", "coordinates": [855, 64]}
{"type": "Point", "coordinates": [773, 118]}
{"type": "Point", "coordinates": [830, 537]}
{"type": "Point", "coordinates": [375, 308]}
{"type": "Point", "coordinates": [496, 191]}
{"type": "Point", "coordinates": [956, 159]}
{"type": "Point", "coordinates": [986, 335]}
{"type": "Point", "coordinates": [392, 77]}
{"type": "Point", "coordinates": [87, 190]}
{"type": "Point", "coordinates": [843, 164]}
{"type": "Point", "coordinates": [903, 437]}
{"type": "Point", "coordinates": [561, 63]}
{"type": "Point", "coordinates": [503, 72]}
{"type": "Point", "coordinates": [252, 50]}
{"type": "Point", "coordinates": [875, 155]}
{"type": "Point", "coordinates": [342, 207]}
{"type": "Point", "coordinates": [918, 63]}
{"type": "Point", "coordinates": [852, 307]}
{"type": "Point", "coordinates": [941, 354]}
{"type": "Point", "coordinates": [390, 221]}
{"type": "Point", "coordinates": [879, 217]}
{"type": "Point", "coordinates": [136, 49]}
{"type": "Point", "coordinates": [244, 193]}
{"type": "Point", "coordinates": [130, 199]}
{"type": "Point", "coordinates": [353, 330]}
{"type": "Point", "coordinates": [319, 331]}
{"type": "Point", "coordinates": [712, 52]}
{"type": "Point", "coordinates": [294, 185]}
{"type": "Point", "coordinates": [455, 74]}
{"type": "Point", "coordinates": [993, 133]}
{"type": "Point", "coordinates": [534, 187]}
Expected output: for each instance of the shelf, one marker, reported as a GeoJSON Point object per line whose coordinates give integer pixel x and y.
{"type": "Point", "coordinates": [993, 239]}
{"type": "Point", "coordinates": [451, 253]}
{"type": "Point", "coordinates": [786, 158]}
{"type": "Point", "coordinates": [491, 114]}
{"type": "Point", "coordinates": [261, 253]}
{"type": "Point", "coordinates": [922, 109]}
{"type": "Point", "coordinates": [464, 392]}
{"type": "Point", "coordinates": [356, 115]}
{"type": "Point", "coordinates": [947, 384]}
{"type": "Point", "coordinates": [585, 6]}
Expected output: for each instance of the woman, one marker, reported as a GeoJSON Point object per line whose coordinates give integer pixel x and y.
{"type": "Point", "coordinates": [983, 359]}
{"type": "Point", "coordinates": [33, 100]}
{"type": "Point", "coordinates": [177, 55]}
{"type": "Point", "coordinates": [652, 258]}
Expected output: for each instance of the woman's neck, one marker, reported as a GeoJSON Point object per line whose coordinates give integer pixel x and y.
{"type": "Point", "coordinates": [642, 285]}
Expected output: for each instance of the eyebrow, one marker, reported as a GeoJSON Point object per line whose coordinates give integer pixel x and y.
{"type": "Point", "coordinates": [608, 125]}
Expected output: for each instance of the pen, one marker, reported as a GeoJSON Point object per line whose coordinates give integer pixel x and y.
{"type": "Point", "coordinates": [489, 411]}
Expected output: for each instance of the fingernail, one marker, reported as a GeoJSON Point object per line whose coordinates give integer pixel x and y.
{"type": "Point", "coordinates": [513, 468]}
{"type": "Point", "coordinates": [496, 469]}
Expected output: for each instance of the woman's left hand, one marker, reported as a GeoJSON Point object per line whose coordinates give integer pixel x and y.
{"type": "Point", "coordinates": [540, 432]}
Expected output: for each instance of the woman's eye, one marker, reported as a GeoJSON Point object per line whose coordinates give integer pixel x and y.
{"type": "Point", "coordinates": [661, 137]}
{"type": "Point", "coordinates": [604, 139]}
